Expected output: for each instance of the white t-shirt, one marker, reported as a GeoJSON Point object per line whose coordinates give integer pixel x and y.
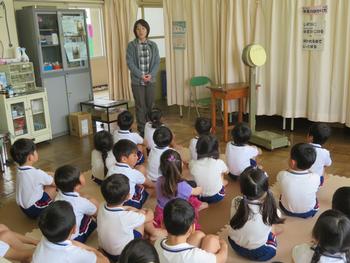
{"type": "Point", "coordinates": [63, 252]}
{"type": "Point", "coordinates": [97, 167]}
{"type": "Point", "coordinates": [127, 135]}
{"type": "Point", "coordinates": [30, 184]}
{"type": "Point", "coordinates": [149, 131]}
{"type": "Point", "coordinates": [4, 247]}
{"type": "Point", "coordinates": [255, 232]}
{"type": "Point", "coordinates": [81, 206]}
{"type": "Point", "coordinates": [182, 253]}
{"type": "Point", "coordinates": [135, 176]}
{"type": "Point", "coordinates": [153, 171]}
{"type": "Point", "coordinates": [238, 157]}
{"type": "Point", "coordinates": [207, 173]}
{"type": "Point", "coordinates": [115, 227]}
{"type": "Point", "coordinates": [193, 150]}
{"type": "Point", "coordinates": [323, 158]}
{"type": "Point", "coordinates": [298, 190]}
{"type": "Point", "coordinates": [303, 254]}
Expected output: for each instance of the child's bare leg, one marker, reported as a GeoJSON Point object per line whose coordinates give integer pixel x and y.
{"type": "Point", "coordinates": [211, 244]}
{"type": "Point", "coordinates": [154, 233]}
{"type": "Point", "coordinates": [141, 168]}
{"type": "Point", "coordinates": [203, 206]}
{"type": "Point", "coordinates": [195, 239]}
{"type": "Point", "coordinates": [3, 228]}
{"type": "Point", "coordinates": [10, 238]}
{"type": "Point", "coordinates": [51, 191]}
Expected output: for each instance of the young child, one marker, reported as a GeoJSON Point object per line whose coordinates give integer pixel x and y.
{"type": "Point", "coordinates": [331, 234]}
{"type": "Point", "coordinates": [341, 200]}
{"type": "Point", "coordinates": [35, 189]}
{"type": "Point", "coordinates": [57, 224]}
{"type": "Point", "coordinates": [162, 138]}
{"type": "Point", "coordinates": [119, 224]}
{"type": "Point", "coordinates": [208, 171]}
{"type": "Point", "coordinates": [171, 185]}
{"type": "Point", "coordinates": [125, 153]}
{"type": "Point", "coordinates": [203, 127]}
{"type": "Point", "coordinates": [70, 181]}
{"type": "Point", "coordinates": [139, 251]}
{"type": "Point", "coordinates": [154, 116]}
{"type": "Point", "coordinates": [317, 136]}
{"type": "Point", "coordinates": [252, 217]}
{"type": "Point", "coordinates": [298, 185]}
{"type": "Point", "coordinates": [239, 154]}
{"type": "Point", "coordinates": [183, 243]}
{"type": "Point", "coordinates": [102, 157]}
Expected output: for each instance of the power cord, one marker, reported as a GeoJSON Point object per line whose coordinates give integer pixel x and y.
{"type": "Point", "coordinates": [2, 3]}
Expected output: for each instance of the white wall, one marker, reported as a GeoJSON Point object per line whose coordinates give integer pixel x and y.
{"type": "Point", "coordinates": [8, 52]}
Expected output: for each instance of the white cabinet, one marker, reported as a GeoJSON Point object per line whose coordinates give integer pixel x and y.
{"type": "Point", "coordinates": [26, 116]}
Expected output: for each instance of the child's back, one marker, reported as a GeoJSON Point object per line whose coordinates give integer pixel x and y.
{"type": "Point", "coordinates": [125, 121]}
{"type": "Point", "coordinates": [155, 122]}
{"type": "Point", "coordinates": [203, 127]}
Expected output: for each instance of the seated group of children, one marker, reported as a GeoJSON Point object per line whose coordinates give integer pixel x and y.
{"type": "Point", "coordinates": [123, 225]}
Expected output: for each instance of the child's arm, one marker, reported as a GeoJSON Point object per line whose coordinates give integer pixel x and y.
{"type": "Point", "coordinates": [221, 255]}
{"type": "Point", "coordinates": [149, 216]}
{"type": "Point", "coordinates": [100, 258]}
{"type": "Point", "coordinates": [197, 190]}
{"type": "Point", "coordinates": [22, 255]}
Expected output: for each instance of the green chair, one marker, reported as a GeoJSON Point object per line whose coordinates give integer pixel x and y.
{"type": "Point", "coordinates": [198, 82]}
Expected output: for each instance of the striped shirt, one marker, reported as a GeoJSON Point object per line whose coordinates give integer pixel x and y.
{"type": "Point", "coordinates": [144, 59]}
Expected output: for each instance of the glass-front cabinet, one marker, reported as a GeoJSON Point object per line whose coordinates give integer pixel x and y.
{"type": "Point", "coordinates": [19, 120]}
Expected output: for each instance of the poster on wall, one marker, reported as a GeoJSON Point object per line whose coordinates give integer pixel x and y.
{"type": "Point", "coordinates": [179, 34]}
{"type": "Point", "coordinates": [314, 24]}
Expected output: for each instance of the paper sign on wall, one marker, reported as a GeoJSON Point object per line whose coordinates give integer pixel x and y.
{"type": "Point", "coordinates": [179, 34]}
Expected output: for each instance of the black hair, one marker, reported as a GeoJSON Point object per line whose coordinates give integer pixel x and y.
{"type": "Point", "coordinates": [320, 133]}
{"type": "Point", "coordinates": [103, 142]}
{"type": "Point", "coordinates": [123, 148]}
{"type": "Point", "coordinates": [115, 189]}
{"type": "Point", "coordinates": [304, 155]}
{"type": "Point", "coordinates": [202, 126]}
{"type": "Point", "coordinates": [171, 168]}
{"type": "Point", "coordinates": [254, 185]}
{"type": "Point", "coordinates": [67, 177]}
{"type": "Point", "coordinates": [57, 221]}
{"type": "Point", "coordinates": [21, 149]}
{"type": "Point", "coordinates": [207, 146]}
{"type": "Point", "coordinates": [139, 251]}
{"type": "Point", "coordinates": [155, 116]}
{"type": "Point", "coordinates": [178, 216]}
{"type": "Point", "coordinates": [125, 120]}
{"type": "Point", "coordinates": [143, 23]}
{"type": "Point", "coordinates": [241, 134]}
{"type": "Point", "coordinates": [341, 200]}
{"type": "Point", "coordinates": [332, 234]}
{"type": "Point", "coordinates": [162, 136]}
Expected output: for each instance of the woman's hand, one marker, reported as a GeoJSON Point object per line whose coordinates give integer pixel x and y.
{"type": "Point", "coordinates": [147, 78]}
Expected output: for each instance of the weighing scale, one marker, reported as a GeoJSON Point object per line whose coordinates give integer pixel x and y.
{"type": "Point", "coordinates": [255, 56]}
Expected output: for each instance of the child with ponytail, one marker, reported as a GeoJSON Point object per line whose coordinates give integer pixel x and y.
{"type": "Point", "coordinates": [154, 116]}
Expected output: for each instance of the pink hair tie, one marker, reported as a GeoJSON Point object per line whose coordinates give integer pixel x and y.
{"type": "Point", "coordinates": [171, 158]}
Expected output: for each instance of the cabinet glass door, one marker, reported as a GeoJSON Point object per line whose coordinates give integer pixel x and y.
{"type": "Point", "coordinates": [19, 118]}
{"type": "Point", "coordinates": [38, 113]}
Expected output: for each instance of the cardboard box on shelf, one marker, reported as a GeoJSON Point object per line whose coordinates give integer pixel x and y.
{"type": "Point", "coordinates": [80, 124]}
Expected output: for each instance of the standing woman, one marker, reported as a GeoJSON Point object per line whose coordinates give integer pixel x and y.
{"type": "Point", "coordinates": [142, 57]}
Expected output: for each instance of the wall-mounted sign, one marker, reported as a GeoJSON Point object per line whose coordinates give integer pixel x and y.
{"type": "Point", "coordinates": [179, 34]}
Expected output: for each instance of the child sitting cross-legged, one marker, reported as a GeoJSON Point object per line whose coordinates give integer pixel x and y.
{"type": "Point", "coordinates": [155, 121]}
{"type": "Point", "coordinates": [203, 127]}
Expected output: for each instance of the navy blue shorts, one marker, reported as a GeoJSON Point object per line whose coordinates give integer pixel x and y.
{"type": "Point", "coordinates": [308, 214]}
{"type": "Point", "coordinates": [35, 210]}
{"type": "Point", "coordinates": [87, 226]}
{"type": "Point", "coordinates": [215, 198]}
{"type": "Point", "coordinates": [321, 180]}
{"type": "Point", "coordinates": [140, 158]}
{"type": "Point", "coordinates": [263, 253]}
{"type": "Point", "coordinates": [139, 198]}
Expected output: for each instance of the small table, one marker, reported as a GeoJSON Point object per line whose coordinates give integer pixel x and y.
{"type": "Point", "coordinates": [107, 106]}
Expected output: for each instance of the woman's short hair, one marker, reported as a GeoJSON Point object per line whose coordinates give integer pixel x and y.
{"type": "Point", "coordinates": [143, 23]}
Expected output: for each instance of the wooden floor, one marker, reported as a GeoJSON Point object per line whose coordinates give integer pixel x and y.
{"type": "Point", "coordinates": [73, 150]}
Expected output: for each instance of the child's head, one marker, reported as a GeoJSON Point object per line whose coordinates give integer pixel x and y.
{"type": "Point", "coordinates": [171, 169]}
{"type": "Point", "coordinates": [202, 126]}
{"type": "Point", "coordinates": [178, 217]}
{"type": "Point", "coordinates": [254, 184]}
{"type": "Point", "coordinates": [155, 116]}
{"type": "Point", "coordinates": [319, 133]}
{"type": "Point", "coordinates": [68, 178]}
{"type": "Point", "coordinates": [332, 234]}
{"type": "Point", "coordinates": [162, 136]}
{"type": "Point", "coordinates": [125, 151]}
{"type": "Point", "coordinates": [57, 221]}
{"type": "Point", "coordinates": [302, 156]}
{"type": "Point", "coordinates": [103, 142]}
{"type": "Point", "coordinates": [24, 150]}
{"type": "Point", "coordinates": [341, 200]}
{"type": "Point", "coordinates": [207, 146]}
{"type": "Point", "coordinates": [115, 189]}
{"type": "Point", "coordinates": [139, 251]}
{"type": "Point", "coordinates": [241, 133]}
{"type": "Point", "coordinates": [125, 120]}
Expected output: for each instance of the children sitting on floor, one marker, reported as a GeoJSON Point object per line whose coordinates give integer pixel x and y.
{"type": "Point", "coordinates": [298, 184]}
{"type": "Point", "coordinates": [57, 224]}
{"type": "Point", "coordinates": [203, 127]}
{"type": "Point", "coordinates": [119, 224]}
{"type": "Point", "coordinates": [341, 200]}
{"type": "Point", "coordinates": [252, 217]}
{"type": "Point", "coordinates": [70, 182]}
{"type": "Point", "coordinates": [317, 136]}
{"type": "Point", "coordinates": [35, 189]}
{"type": "Point", "coordinates": [155, 117]}
{"type": "Point", "coordinates": [239, 154]}
{"type": "Point", "coordinates": [184, 243]}
{"type": "Point", "coordinates": [208, 171]}
{"type": "Point", "coordinates": [139, 251]}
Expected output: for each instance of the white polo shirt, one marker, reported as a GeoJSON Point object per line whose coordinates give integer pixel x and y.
{"type": "Point", "coordinates": [182, 253]}
{"type": "Point", "coordinates": [323, 158]}
{"type": "Point", "coordinates": [115, 227]}
{"type": "Point", "coordinates": [4, 247]}
{"type": "Point", "coordinates": [303, 254]}
{"type": "Point", "coordinates": [135, 176]}
{"type": "Point", "coordinates": [207, 173]}
{"type": "Point", "coordinates": [153, 171]}
{"type": "Point", "coordinates": [127, 135]}
{"type": "Point", "coordinates": [238, 157]}
{"type": "Point", "coordinates": [193, 150]}
{"type": "Point", "coordinates": [30, 184]}
{"type": "Point", "coordinates": [298, 190]}
{"type": "Point", "coordinates": [254, 233]}
{"type": "Point", "coordinates": [149, 131]}
{"type": "Point", "coordinates": [81, 206]}
{"type": "Point", "coordinates": [97, 167]}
